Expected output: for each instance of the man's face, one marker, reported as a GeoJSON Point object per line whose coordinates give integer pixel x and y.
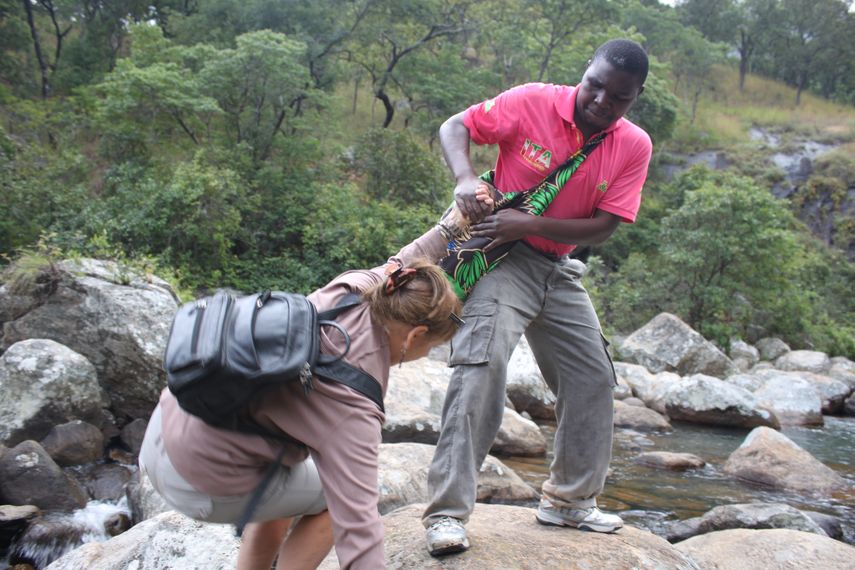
{"type": "Point", "coordinates": [604, 96]}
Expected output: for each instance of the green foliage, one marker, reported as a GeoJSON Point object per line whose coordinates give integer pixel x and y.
{"type": "Point", "coordinates": [394, 166]}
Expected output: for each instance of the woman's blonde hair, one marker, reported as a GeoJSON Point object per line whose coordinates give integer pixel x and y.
{"type": "Point", "coordinates": [425, 297]}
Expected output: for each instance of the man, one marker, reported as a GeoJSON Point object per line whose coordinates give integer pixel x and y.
{"type": "Point", "coordinates": [537, 289]}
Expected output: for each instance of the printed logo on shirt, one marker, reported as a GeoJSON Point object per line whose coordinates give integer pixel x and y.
{"type": "Point", "coordinates": [536, 155]}
{"type": "Point", "coordinates": [489, 105]}
{"type": "Point", "coordinates": [603, 186]}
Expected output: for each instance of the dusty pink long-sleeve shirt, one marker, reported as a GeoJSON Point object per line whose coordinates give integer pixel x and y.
{"type": "Point", "coordinates": [340, 427]}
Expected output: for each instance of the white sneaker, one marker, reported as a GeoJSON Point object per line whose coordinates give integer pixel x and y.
{"type": "Point", "coordinates": [590, 518]}
{"type": "Point", "coordinates": [446, 536]}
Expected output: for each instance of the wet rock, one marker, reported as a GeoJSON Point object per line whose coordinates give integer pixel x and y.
{"type": "Point", "coordinates": [169, 540]}
{"type": "Point", "coordinates": [849, 406]}
{"type": "Point", "coordinates": [403, 478]}
{"type": "Point", "coordinates": [74, 443]}
{"type": "Point", "coordinates": [117, 319]}
{"type": "Point", "coordinates": [744, 355]}
{"type": "Point", "coordinates": [132, 435]}
{"type": "Point", "coordinates": [505, 537]}
{"type": "Point", "coordinates": [526, 387]}
{"type": "Point", "coordinates": [405, 422]}
{"type": "Point", "coordinates": [749, 516]}
{"type": "Point", "coordinates": [639, 418]}
{"type": "Point", "coordinates": [44, 384]}
{"type": "Point", "coordinates": [793, 400]}
{"type": "Point", "coordinates": [106, 482]}
{"type": "Point", "coordinates": [670, 461]}
{"type": "Point", "coordinates": [830, 525]}
{"type": "Point", "coordinates": [771, 348]}
{"type": "Point", "coordinates": [807, 360]}
{"type": "Point", "coordinates": [738, 549]}
{"type": "Point", "coordinates": [707, 400]}
{"type": "Point", "coordinates": [28, 476]}
{"type": "Point", "coordinates": [771, 459]}
{"type": "Point", "coordinates": [46, 539]}
{"type": "Point", "coordinates": [13, 520]}
{"type": "Point", "coordinates": [668, 344]}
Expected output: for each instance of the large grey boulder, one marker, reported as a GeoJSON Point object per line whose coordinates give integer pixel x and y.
{"type": "Point", "coordinates": [793, 400]}
{"type": "Point", "coordinates": [807, 360]}
{"type": "Point", "coordinates": [403, 478]}
{"type": "Point", "coordinates": [414, 401]}
{"type": "Point", "coordinates": [649, 388]}
{"type": "Point", "coordinates": [745, 515]}
{"type": "Point", "coordinates": [117, 319]}
{"type": "Point", "coordinates": [843, 369]}
{"type": "Point", "coordinates": [744, 355]}
{"type": "Point", "coordinates": [43, 384]}
{"type": "Point", "coordinates": [28, 476]}
{"type": "Point", "coordinates": [831, 392]}
{"type": "Point", "coordinates": [668, 344]}
{"type": "Point", "coordinates": [707, 400]}
{"type": "Point", "coordinates": [168, 540]}
{"type": "Point", "coordinates": [771, 348]}
{"type": "Point", "coordinates": [526, 387]}
{"type": "Point", "coordinates": [771, 459]}
{"type": "Point", "coordinates": [784, 549]}
{"type": "Point", "coordinates": [504, 537]}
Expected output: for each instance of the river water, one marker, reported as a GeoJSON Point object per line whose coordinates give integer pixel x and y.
{"type": "Point", "coordinates": [650, 498]}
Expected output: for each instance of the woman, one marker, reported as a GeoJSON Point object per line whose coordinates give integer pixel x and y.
{"type": "Point", "coordinates": [330, 481]}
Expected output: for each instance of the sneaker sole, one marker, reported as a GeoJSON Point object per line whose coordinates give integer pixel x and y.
{"type": "Point", "coordinates": [554, 521]}
{"type": "Point", "coordinates": [450, 549]}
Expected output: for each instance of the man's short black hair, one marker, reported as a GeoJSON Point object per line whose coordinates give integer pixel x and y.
{"type": "Point", "coordinates": [625, 55]}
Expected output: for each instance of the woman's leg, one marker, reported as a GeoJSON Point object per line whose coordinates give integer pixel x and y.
{"type": "Point", "coordinates": [260, 542]}
{"type": "Point", "coordinates": [308, 544]}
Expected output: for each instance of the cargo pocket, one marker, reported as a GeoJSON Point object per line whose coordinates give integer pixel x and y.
{"type": "Point", "coordinates": [606, 344]}
{"type": "Point", "coordinates": [471, 344]}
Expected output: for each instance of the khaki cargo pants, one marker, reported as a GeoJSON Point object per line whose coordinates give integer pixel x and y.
{"type": "Point", "coordinates": [543, 299]}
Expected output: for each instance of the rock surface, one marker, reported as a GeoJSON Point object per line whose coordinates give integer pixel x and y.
{"type": "Point", "coordinates": [781, 549]}
{"type": "Point", "coordinates": [403, 478]}
{"type": "Point", "coordinates": [639, 418]}
{"type": "Point", "coordinates": [526, 387]}
{"type": "Point", "coordinates": [793, 400]}
{"type": "Point", "coordinates": [747, 515]}
{"type": "Point", "coordinates": [668, 344]}
{"type": "Point", "coordinates": [74, 443]}
{"type": "Point", "coordinates": [769, 458]}
{"type": "Point", "coordinates": [169, 540]}
{"type": "Point", "coordinates": [28, 476]}
{"type": "Point", "coordinates": [118, 320]}
{"type": "Point", "coordinates": [44, 384]}
{"type": "Point", "coordinates": [670, 461]}
{"type": "Point", "coordinates": [505, 537]}
{"type": "Point", "coordinates": [807, 360]}
{"type": "Point", "coordinates": [771, 348]}
{"type": "Point", "coordinates": [707, 400]}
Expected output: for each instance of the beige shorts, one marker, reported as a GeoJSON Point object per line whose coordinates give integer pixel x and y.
{"type": "Point", "coordinates": [293, 491]}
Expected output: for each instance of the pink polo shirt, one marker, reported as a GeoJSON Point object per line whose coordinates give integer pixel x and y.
{"type": "Point", "coordinates": [533, 126]}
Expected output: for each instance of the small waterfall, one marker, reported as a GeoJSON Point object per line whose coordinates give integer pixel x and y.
{"type": "Point", "coordinates": [55, 534]}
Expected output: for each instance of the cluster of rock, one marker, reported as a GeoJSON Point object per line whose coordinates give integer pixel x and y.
{"type": "Point", "coordinates": [80, 371]}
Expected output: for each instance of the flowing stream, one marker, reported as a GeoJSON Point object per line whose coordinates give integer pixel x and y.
{"type": "Point", "coordinates": [651, 498]}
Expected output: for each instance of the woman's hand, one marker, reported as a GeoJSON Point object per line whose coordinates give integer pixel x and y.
{"type": "Point", "coordinates": [475, 199]}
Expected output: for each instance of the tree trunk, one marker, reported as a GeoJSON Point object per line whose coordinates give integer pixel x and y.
{"type": "Point", "coordinates": [37, 46]}
{"type": "Point", "coordinates": [387, 104]}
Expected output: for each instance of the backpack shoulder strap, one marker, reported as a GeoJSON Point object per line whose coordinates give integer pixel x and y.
{"type": "Point", "coordinates": [342, 372]}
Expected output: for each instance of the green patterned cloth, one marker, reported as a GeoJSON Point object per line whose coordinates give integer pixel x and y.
{"type": "Point", "coordinates": [467, 261]}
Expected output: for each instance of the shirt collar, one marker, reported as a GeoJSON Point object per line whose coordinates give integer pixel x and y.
{"type": "Point", "coordinates": [565, 104]}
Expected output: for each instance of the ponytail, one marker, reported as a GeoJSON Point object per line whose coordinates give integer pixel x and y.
{"type": "Point", "coordinates": [419, 294]}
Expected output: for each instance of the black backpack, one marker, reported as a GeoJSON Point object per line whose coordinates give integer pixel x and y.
{"type": "Point", "coordinates": [224, 351]}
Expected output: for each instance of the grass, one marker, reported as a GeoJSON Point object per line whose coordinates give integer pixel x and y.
{"type": "Point", "coordinates": [725, 115]}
